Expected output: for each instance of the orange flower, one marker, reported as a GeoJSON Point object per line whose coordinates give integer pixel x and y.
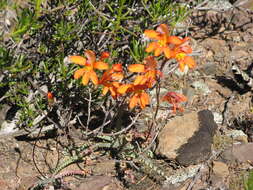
{"type": "Point", "coordinates": [138, 97]}
{"type": "Point", "coordinates": [183, 60]}
{"type": "Point", "coordinates": [175, 40]}
{"type": "Point", "coordinates": [149, 68]}
{"type": "Point", "coordinates": [180, 51]}
{"type": "Point", "coordinates": [161, 35]}
{"type": "Point", "coordinates": [174, 99]}
{"type": "Point", "coordinates": [87, 73]}
{"type": "Point", "coordinates": [112, 87]}
{"type": "Point", "coordinates": [108, 80]}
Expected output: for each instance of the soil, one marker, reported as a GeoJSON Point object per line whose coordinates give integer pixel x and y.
{"type": "Point", "coordinates": [219, 44]}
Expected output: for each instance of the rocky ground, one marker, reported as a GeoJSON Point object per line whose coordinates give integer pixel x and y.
{"type": "Point", "coordinates": [208, 146]}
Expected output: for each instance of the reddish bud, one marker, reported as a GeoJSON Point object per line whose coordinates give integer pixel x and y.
{"type": "Point", "coordinates": [50, 96]}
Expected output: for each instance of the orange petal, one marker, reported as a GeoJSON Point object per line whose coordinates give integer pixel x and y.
{"type": "Point", "coordinates": [175, 108]}
{"type": "Point", "coordinates": [100, 65]}
{"type": "Point", "coordinates": [151, 34]}
{"type": "Point", "coordinates": [151, 47]}
{"type": "Point", "coordinates": [181, 98]}
{"type": "Point", "coordinates": [93, 77]}
{"type": "Point", "coordinates": [186, 39]}
{"type": "Point", "coordinates": [166, 98]}
{"type": "Point", "coordinates": [117, 67]}
{"type": "Point", "coordinates": [117, 76]}
{"type": "Point", "coordinates": [186, 49]}
{"type": "Point", "coordinates": [123, 88]}
{"type": "Point", "coordinates": [136, 68]}
{"type": "Point", "coordinates": [163, 29]}
{"type": "Point", "coordinates": [105, 90]}
{"type": "Point", "coordinates": [190, 62]}
{"type": "Point", "coordinates": [158, 51]}
{"type": "Point", "coordinates": [139, 80]}
{"type": "Point", "coordinates": [181, 66]}
{"type": "Point", "coordinates": [133, 101]}
{"type": "Point", "coordinates": [167, 52]}
{"type": "Point", "coordinates": [144, 100]}
{"type": "Point", "coordinates": [77, 59]}
{"type": "Point", "coordinates": [86, 78]}
{"type": "Point", "coordinates": [175, 40]}
{"type": "Point", "coordinates": [78, 73]}
{"type": "Point", "coordinates": [90, 56]}
{"type": "Point", "coordinates": [112, 91]}
{"type": "Point", "coordinates": [116, 84]}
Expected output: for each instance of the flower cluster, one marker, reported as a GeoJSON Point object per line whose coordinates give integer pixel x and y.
{"type": "Point", "coordinates": [173, 47]}
{"type": "Point", "coordinates": [146, 73]}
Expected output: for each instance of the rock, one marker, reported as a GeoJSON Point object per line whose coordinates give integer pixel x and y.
{"type": "Point", "coordinates": [106, 167]}
{"type": "Point", "coordinates": [189, 92]}
{"type": "Point", "coordinates": [215, 45]}
{"type": "Point", "coordinates": [201, 86]}
{"type": "Point", "coordinates": [180, 73]}
{"type": "Point", "coordinates": [3, 111]}
{"type": "Point", "coordinates": [188, 139]}
{"type": "Point", "coordinates": [238, 135]}
{"type": "Point", "coordinates": [219, 175]}
{"type": "Point", "coordinates": [181, 175]}
{"type": "Point", "coordinates": [227, 156]}
{"type": "Point", "coordinates": [27, 182]}
{"type": "Point", "coordinates": [220, 169]}
{"type": "Point", "coordinates": [218, 118]}
{"type": "Point", "coordinates": [243, 152]}
{"type": "Point", "coordinates": [8, 128]}
{"type": "Point", "coordinates": [238, 54]}
{"type": "Point", "coordinates": [99, 183]}
{"type": "Point", "coordinates": [244, 4]}
{"type": "Point", "coordinates": [209, 68]}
